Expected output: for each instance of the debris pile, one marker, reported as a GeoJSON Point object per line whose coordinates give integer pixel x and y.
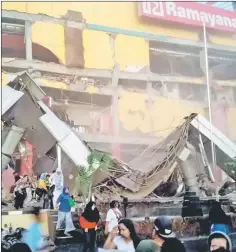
{"type": "Point", "coordinates": [157, 173]}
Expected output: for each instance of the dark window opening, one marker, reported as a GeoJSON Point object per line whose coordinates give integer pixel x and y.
{"type": "Point", "coordinates": [166, 89]}
{"type": "Point", "coordinates": [13, 43]}
{"type": "Point", "coordinates": [13, 26]}
{"type": "Point", "coordinates": [166, 63]}
{"type": "Point", "coordinates": [192, 92]}
{"type": "Point", "coordinates": [181, 60]}
{"type": "Point", "coordinates": [132, 85]}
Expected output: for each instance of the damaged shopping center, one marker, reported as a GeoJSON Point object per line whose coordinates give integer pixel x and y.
{"type": "Point", "coordinates": [163, 172]}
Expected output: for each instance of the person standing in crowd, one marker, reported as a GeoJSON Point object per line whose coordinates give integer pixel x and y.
{"type": "Point", "coordinates": [172, 245]}
{"type": "Point", "coordinates": [219, 240]}
{"type": "Point", "coordinates": [123, 239]}
{"type": "Point", "coordinates": [57, 179]}
{"type": "Point", "coordinates": [64, 213]}
{"type": "Point", "coordinates": [16, 176]}
{"type": "Point", "coordinates": [162, 230]}
{"type": "Point", "coordinates": [41, 190]}
{"type": "Point", "coordinates": [88, 221]}
{"type": "Point", "coordinates": [33, 235]}
{"type": "Point", "coordinates": [50, 189]}
{"type": "Point", "coordinates": [221, 250]}
{"type": "Point", "coordinates": [51, 178]}
{"type": "Point", "coordinates": [113, 216]}
{"type": "Point", "coordinates": [218, 219]}
{"type": "Point", "coordinates": [28, 202]}
{"type": "Point", "coordinates": [20, 191]}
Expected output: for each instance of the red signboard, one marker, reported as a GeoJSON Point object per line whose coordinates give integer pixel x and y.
{"type": "Point", "coordinates": [190, 13]}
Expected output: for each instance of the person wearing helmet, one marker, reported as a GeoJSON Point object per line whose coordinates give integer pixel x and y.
{"type": "Point", "coordinates": [162, 230]}
{"type": "Point", "coordinates": [219, 240]}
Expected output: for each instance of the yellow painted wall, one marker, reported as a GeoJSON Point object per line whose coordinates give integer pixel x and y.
{"type": "Point", "coordinates": [164, 115]}
{"type": "Point", "coordinates": [50, 36]}
{"type": "Point", "coordinates": [98, 52]}
{"type": "Point", "coordinates": [134, 114]}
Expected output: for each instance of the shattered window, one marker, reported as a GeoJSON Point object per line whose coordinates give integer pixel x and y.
{"type": "Point", "coordinates": [174, 60]}
{"type": "Point", "coordinates": [182, 60]}
{"type": "Point", "coordinates": [193, 92]}
{"type": "Point", "coordinates": [13, 33]}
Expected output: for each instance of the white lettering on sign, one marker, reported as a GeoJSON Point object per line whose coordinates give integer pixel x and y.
{"type": "Point", "coordinates": [195, 15]}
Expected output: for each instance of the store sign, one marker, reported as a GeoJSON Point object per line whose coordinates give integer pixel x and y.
{"type": "Point", "coordinates": [189, 13]}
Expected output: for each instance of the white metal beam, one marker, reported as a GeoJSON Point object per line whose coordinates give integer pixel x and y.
{"type": "Point", "coordinates": [218, 138]}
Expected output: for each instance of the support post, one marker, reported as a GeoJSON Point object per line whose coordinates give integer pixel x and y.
{"type": "Point", "coordinates": [115, 100]}
{"type": "Point", "coordinates": [28, 41]}
{"type": "Point", "coordinates": [186, 164]}
{"type": "Point", "coordinates": [58, 156]}
{"type": "Point", "coordinates": [149, 92]}
{"type": "Point", "coordinates": [209, 97]}
{"type": "Point", "coordinates": [115, 110]}
{"type": "Point", "coordinates": [191, 205]}
{"type": "Point", "coordinates": [10, 144]}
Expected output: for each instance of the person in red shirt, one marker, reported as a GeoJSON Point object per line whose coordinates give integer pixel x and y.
{"type": "Point", "coordinates": [88, 221]}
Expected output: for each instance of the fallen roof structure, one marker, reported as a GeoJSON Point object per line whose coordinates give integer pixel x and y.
{"type": "Point", "coordinates": [44, 130]}
{"type": "Point", "coordinates": [156, 164]}
{"type": "Point", "coordinates": [136, 180]}
{"type": "Point", "coordinates": [225, 149]}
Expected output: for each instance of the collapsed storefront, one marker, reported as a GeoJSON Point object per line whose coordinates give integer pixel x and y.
{"type": "Point", "coordinates": [155, 183]}
{"type": "Point", "coordinates": [161, 170]}
{"type": "Point", "coordinates": [27, 119]}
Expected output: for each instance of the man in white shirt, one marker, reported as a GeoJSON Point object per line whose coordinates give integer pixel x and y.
{"type": "Point", "coordinates": [113, 216]}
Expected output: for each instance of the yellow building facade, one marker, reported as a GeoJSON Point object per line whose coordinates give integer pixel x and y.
{"type": "Point", "coordinates": [129, 47]}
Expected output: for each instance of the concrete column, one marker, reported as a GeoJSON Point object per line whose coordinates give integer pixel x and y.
{"type": "Point", "coordinates": [115, 113]}
{"type": "Point", "coordinates": [149, 101]}
{"type": "Point", "coordinates": [28, 41]}
{"type": "Point", "coordinates": [187, 166]}
{"type": "Point", "coordinates": [10, 144]}
{"type": "Point", "coordinates": [149, 92]}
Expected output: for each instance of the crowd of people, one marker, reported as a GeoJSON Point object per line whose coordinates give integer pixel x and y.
{"type": "Point", "coordinates": [44, 189]}
{"type": "Point", "coordinates": [120, 232]}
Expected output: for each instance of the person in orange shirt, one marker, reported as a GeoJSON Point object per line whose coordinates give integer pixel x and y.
{"type": "Point", "coordinates": [88, 221]}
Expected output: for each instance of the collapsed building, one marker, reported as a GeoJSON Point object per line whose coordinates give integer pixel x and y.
{"type": "Point", "coordinates": [162, 172]}
{"type": "Point", "coordinates": [26, 118]}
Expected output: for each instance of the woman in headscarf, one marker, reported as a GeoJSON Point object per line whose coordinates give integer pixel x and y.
{"type": "Point", "coordinates": [29, 202]}
{"type": "Point", "coordinates": [57, 179]}
{"type": "Point", "coordinates": [64, 213]}
{"type": "Point", "coordinates": [88, 221]}
{"type": "Point", "coordinates": [41, 190]}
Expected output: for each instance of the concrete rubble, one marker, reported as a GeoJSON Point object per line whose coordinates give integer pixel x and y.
{"type": "Point", "coordinates": [162, 172]}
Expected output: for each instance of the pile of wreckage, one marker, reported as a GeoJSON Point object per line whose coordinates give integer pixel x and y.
{"type": "Point", "coordinates": [181, 162]}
